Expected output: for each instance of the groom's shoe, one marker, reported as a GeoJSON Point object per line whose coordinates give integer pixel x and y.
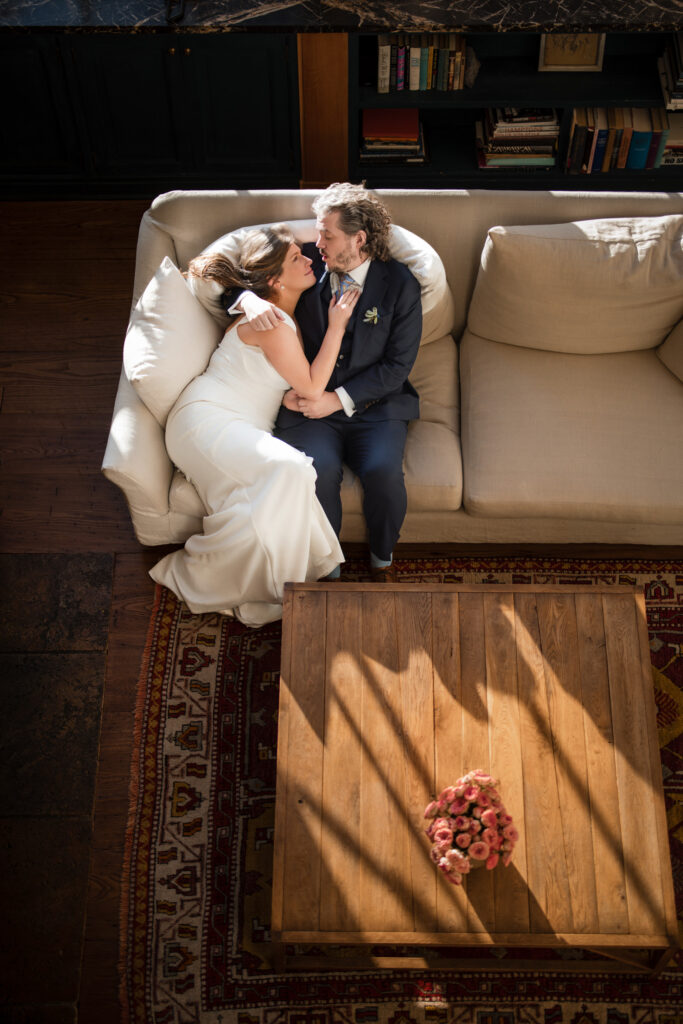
{"type": "Point", "coordinates": [383, 573]}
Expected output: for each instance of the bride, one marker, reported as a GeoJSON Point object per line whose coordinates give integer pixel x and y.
{"type": "Point", "coordinates": [264, 525]}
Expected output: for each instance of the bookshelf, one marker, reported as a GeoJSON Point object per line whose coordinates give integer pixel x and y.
{"type": "Point", "coordinates": [508, 76]}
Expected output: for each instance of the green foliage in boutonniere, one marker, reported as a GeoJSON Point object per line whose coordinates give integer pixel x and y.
{"type": "Point", "coordinates": [371, 316]}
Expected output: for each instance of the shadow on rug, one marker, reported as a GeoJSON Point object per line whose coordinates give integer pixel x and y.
{"type": "Point", "coordinates": [195, 942]}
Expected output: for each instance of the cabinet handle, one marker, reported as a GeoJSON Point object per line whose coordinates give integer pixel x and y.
{"type": "Point", "coordinates": [187, 51]}
{"type": "Point", "coordinates": [171, 51]}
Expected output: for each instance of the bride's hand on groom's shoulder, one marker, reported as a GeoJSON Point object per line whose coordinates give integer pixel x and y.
{"type": "Point", "coordinates": [261, 314]}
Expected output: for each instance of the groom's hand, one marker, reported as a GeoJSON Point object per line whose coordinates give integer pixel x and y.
{"type": "Point", "coordinates": [318, 408]}
{"type": "Point", "coordinates": [291, 400]}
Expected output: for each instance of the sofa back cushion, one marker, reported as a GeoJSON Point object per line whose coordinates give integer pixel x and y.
{"type": "Point", "coordinates": [421, 259]}
{"type": "Point", "coordinates": [671, 351]}
{"type": "Point", "coordinates": [592, 286]}
{"type": "Point", "coordinates": [169, 341]}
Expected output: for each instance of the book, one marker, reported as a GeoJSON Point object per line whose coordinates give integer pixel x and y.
{"type": "Point", "coordinates": [424, 60]}
{"type": "Point", "coordinates": [626, 137]}
{"type": "Point", "coordinates": [393, 61]}
{"type": "Point", "coordinates": [390, 124]}
{"type": "Point", "coordinates": [414, 153]}
{"type": "Point", "coordinates": [383, 62]}
{"type": "Point", "coordinates": [611, 138]}
{"type": "Point", "coordinates": [618, 116]}
{"type": "Point", "coordinates": [640, 141]}
{"type": "Point", "coordinates": [577, 140]}
{"type": "Point", "coordinates": [415, 59]}
{"type": "Point", "coordinates": [591, 140]}
{"type": "Point", "coordinates": [601, 133]}
{"type": "Point", "coordinates": [401, 62]}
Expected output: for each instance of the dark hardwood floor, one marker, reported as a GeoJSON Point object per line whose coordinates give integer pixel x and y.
{"type": "Point", "coordinates": [67, 274]}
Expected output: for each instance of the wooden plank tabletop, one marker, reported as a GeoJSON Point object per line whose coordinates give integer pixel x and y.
{"type": "Point", "coordinates": [390, 693]}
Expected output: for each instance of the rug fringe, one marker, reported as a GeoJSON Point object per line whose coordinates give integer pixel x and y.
{"type": "Point", "coordinates": [133, 795]}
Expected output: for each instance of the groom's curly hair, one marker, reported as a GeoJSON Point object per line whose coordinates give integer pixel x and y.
{"type": "Point", "coordinates": [359, 210]}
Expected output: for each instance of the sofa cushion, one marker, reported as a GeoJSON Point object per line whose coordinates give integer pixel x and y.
{"type": "Point", "coordinates": [671, 351]}
{"type": "Point", "coordinates": [169, 341]}
{"type": "Point", "coordinates": [548, 434]}
{"type": "Point", "coordinates": [421, 259]}
{"type": "Point", "coordinates": [591, 286]}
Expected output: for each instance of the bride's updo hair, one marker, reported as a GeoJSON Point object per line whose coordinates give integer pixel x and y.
{"type": "Point", "coordinates": [262, 257]}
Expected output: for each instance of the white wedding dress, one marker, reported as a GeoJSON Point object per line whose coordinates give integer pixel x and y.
{"type": "Point", "coordinates": [265, 525]}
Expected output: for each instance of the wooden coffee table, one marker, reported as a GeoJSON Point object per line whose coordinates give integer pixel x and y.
{"type": "Point", "coordinates": [389, 693]}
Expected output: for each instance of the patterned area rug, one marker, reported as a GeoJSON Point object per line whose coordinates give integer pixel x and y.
{"type": "Point", "coordinates": [197, 878]}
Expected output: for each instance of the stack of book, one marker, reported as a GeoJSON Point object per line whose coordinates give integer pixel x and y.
{"type": "Point", "coordinates": [517, 137]}
{"type": "Point", "coordinates": [671, 72]}
{"type": "Point", "coordinates": [673, 148]}
{"type": "Point", "coordinates": [417, 62]}
{"type": "Point", "coordinates": [616, 138]}
{"type": "Point", "coordinates": [392, 135]}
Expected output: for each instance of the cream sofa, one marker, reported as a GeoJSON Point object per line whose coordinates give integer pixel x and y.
{"type": "Point", "coordinates": [550, 369]}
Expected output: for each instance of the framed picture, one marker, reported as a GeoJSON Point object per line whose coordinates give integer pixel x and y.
{"type": "Point", "coordinates": [571, 51]}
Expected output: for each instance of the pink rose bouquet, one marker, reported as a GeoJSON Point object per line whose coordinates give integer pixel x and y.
{"type": "Point", "coordinates": [470, 827]}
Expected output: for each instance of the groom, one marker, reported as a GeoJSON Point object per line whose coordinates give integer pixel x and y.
{"type": "Point", "coordinates": [362, 418]}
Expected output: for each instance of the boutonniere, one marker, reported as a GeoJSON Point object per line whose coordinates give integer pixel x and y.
{"type": "Point", "coordinates": [371, 316]}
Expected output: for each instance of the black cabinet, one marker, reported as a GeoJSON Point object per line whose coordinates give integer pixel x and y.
{"type": "Point", "coordinates": [508, 77]}
{"type": "Point", "coordinates": [39, 132]}
{"type": "Point", "coordinates": [118, 114]}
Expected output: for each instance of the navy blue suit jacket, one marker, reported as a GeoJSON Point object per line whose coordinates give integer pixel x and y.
{"type": "Point", "coordinates": [375, 358]}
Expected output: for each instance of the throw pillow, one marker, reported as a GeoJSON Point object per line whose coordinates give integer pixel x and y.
{"type": "Point", "coordinates": [593, 286]}
{"type": "Point", "coordinates": [671, 351]}
{"type": "Point", "coordinates": [421, 259]}
{"type": "Point", "coordinates": [169, 341]}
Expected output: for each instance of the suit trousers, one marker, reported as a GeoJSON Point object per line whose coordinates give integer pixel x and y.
{"type": "Point", "coordinates": [373, 449]}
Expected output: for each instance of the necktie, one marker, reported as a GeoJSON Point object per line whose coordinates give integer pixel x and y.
{"type": "Point", "coordinates": [341, 283]}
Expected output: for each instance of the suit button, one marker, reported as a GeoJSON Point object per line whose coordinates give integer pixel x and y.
{"type": "Point", "coordinates": [340, 358]}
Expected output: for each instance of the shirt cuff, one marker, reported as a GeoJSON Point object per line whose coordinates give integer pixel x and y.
{"type": "Point", "coordinates": [235, 309]}
{"type": "Point", "coordinates": [346, 401]}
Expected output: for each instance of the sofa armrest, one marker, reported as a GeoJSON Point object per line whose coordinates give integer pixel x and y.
{"type": "Point", "coordinates": [136, 459]}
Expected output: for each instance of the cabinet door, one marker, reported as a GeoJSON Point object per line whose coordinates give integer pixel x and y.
{"type": "Point", "coordinates": [132, 94]}
{"type": "Point", "coordinates": [39, 134]}
{"type": "Point", "coordinates": [244, 108]}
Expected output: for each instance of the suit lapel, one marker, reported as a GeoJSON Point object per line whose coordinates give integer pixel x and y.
{"type": "Point", "coordinates": [371, 297]}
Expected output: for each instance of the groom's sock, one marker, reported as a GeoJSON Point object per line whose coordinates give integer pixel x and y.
{"type": "Point", "coordinates": [380, 563]}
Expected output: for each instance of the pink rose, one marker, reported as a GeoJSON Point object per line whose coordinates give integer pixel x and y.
{"type": "Point", "coordinates": [459, 789]}
{"type": "Point", "coordinates": [448, 794]}
{"type": "Point", "coordinates": [441, 823]}
{"type": "Point", "coordinates": [504, 818]}
{"type": "Point", "coordinates": [463, 840]}
{"type": "Point", "coordinates": [461, 823]}
{"type": "Point", "coordinates": [491, 861]}
{"type": "Point", "coordinates": [489, 818]}
{"type": "Point", "coordinates": [458, 806]}
{"type": "Point", "coordinates": [507, 857]}
{"type": "Point", "coordinates": [479, 851]}
{"type": "Point", "coordinates": [495, 799]}
{"type": "Point", "coordinates": [431, 810]}
{"type": "Point", "coordinates": [471, 793]}
{"type": "Point", "coordinates": [491, 837]}
{"type": "Point", "coordinates": [475, 826]}
{"type": "Point", "coordinates": [511, 833]}
{"type": "Point", "coordinates": [443, 835]}
{"type": "Point", "coordinates": [476, 812]}
{"type": "Point", "coordinates": [458, 861]}
{"type": "Point", "coordinates": [454, 877]}
{"type": "Point", "coordinates": [483, 800]}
